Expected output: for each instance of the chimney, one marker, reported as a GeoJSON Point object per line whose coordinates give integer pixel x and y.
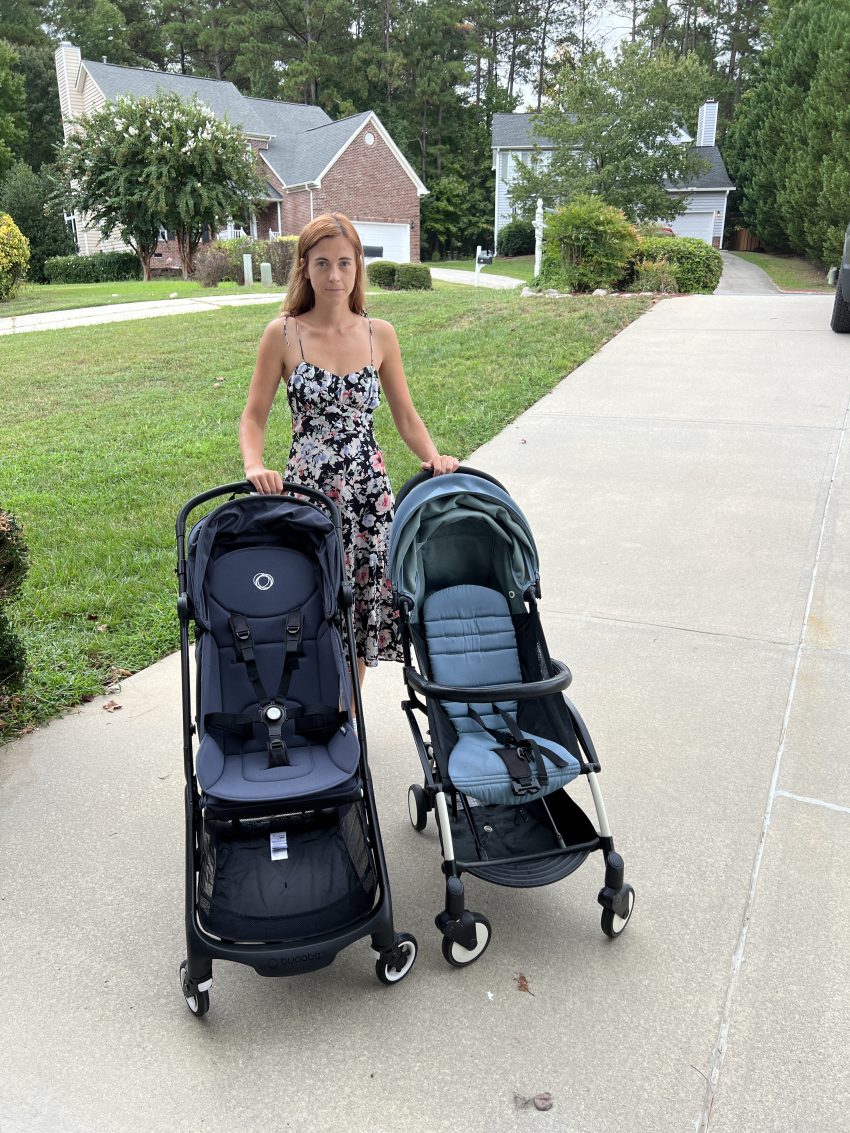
{"type": "Point", "coordinates": [68, 59]}
{"type": "Point", "coordinates": [707, 124]}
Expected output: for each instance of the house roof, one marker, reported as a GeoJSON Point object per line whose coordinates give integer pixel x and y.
{"type": "Point", "coordinates": [516, 131]}
{"type": "Point", "coordinates": [715, 176]}
{"type": "Point", "coordinates": [306, 156]}
{"type": "Point", "coordinates": [284, 121]}
{"type": "Point", "coordinates": [220, 96]}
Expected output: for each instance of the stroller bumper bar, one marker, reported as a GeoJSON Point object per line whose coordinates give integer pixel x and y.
{"type": "Point", "coordinates": [561, 680]}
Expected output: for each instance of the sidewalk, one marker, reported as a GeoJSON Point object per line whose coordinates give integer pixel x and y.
{"type": "Point", "coordinates": [688, 488]}
{"type": "Point", "coordinates": [124, 312]}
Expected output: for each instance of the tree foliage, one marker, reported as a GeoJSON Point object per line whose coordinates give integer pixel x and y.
{"type": "Point", "coordinates": [139, 165]}
{"type": "Point", "coordinates": [12, 101]}
{"type": "Point", "coordinates": [30, 199]}
{"type": "Point", "coordinates": [615, 127]}
{"type": "Point", "coordinates": [789, 146]}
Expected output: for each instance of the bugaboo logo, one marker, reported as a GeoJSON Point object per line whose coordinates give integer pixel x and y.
{"type": "Point", "coordinates": [263, 581]}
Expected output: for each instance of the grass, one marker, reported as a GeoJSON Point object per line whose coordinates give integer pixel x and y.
{"type": "Point", "coordinates": [789, 273]}
{"type": "Point", "coordinates": [37, 297]}
{"type": "Point", "coordinates": [109, 429]}
{"type": "Point", "coordinates": [518, 267]}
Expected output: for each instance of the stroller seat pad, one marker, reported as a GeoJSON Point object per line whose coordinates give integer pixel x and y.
{"type": "Point", "coordinates": [245, 776]}
{"type": "Point", "coordinates": [472, 641]}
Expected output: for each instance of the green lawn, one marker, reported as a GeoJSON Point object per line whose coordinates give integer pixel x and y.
{"type": "Point", "coordinates": [34, 297]}
{"type": "Point", "coordinates": [109, 429]}
{"type": "Point", "coordinates": [518, 267]}
{"type": "Point", "coordinates": [789, 273]}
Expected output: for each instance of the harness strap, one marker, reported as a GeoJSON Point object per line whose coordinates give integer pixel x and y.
{"type": "Point", "coordinates": [273, 712]}
{"type": "Point", "coordinates": [519, 752]}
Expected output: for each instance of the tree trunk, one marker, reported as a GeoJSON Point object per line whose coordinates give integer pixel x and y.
{"type": "Point", "coordinates": [187, 247]}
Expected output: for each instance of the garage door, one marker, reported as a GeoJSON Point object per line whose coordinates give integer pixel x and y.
{"type": "Point", "coordinates": [699, 224]}
{"type": "Point", "coordinates": [384, 241]}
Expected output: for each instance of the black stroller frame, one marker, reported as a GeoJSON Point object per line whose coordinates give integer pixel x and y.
{"type": "Point", "coordinates": [571, 834]}
{"type": "Point", "coordinates": [396, 952]}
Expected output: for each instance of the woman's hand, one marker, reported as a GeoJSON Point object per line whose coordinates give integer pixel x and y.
{"type": "Point", "coordinates": [440, 465]}
{"type": "Point", "coordinates": [265, 480]}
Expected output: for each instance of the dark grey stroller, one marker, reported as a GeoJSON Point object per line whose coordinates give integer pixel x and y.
{"type": "Point", "coordinates": [284, 861]}
{"type": "Point", "coordinates": [504, 742]}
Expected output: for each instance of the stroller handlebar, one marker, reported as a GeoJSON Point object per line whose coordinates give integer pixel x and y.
{"type": "Point", "coordinates": [561, 680]}
{"type": "Point", "coordinates": [245, 488]}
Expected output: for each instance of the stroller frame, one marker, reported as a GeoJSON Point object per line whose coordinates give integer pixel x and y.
{"type": "Point", "coordinates": [467, 934]}
{"type": "Point", "coordinates": [395, 952]}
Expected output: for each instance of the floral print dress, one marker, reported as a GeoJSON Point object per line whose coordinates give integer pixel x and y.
{"type": "Point", "coordinates": [334, 450]}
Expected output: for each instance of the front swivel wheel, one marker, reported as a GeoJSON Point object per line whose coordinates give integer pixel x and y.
{"type": "Point", "coordinates": [455, 954]}
{"type": "Point", "coordinates": [614, 923]}
{"type": "Point", "coordinates": [394, 964]}
{"type": "Point", "coordinates": [197, 1001]}
{"type": "Point", "coordinates": [417, 806]}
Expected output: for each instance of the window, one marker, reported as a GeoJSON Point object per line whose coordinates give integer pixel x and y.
{"type": "Point", "coordinates": [373, 252]}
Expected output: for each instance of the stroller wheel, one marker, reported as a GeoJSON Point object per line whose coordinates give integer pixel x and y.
{"type": "Point", "coordinates": [198, 1002]}
{"type": "Point", "coordinates": [458, 956]}
{"type": "Point", "coordinates": [417, 805]}
{"type": "Point", "coordinates": [612, 924]}
{"type": "Point", "coordinates": [393, 966]}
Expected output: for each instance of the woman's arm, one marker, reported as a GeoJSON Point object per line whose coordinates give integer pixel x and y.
{"type": "Point", "coordinates": [410, 425]}
{"type": "Point", "coordinates": [255, 417]}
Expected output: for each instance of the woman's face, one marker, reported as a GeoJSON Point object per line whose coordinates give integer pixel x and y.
{"type": "Point", "coordinates": [332, 268]}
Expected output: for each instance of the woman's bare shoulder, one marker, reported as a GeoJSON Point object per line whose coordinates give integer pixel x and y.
{"type": "Point", "coordinates": [383, 329]}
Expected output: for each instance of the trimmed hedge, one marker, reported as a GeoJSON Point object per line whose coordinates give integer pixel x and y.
{"type": "Point", "coordinates": [413, 277]}
{"type": "Point", "coordinates": [587, 244]}
{"type": "Point", "coordinates": [382, 273]}
{"type": "Point", "coordinates": [697, 265]}
{"type": "Point", "coordinates": [516, 239]}
{"type": "Point", "coordinates": [655, 275]}
{"type": "Point", "coordinates": [399, 277]}
{"type": "Point", "coordinates": [102, 267]}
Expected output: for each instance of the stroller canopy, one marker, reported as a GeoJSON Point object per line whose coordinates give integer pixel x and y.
{"type": "Point", "coordinates": [265, 519]}
{"type": "Point", "coordinates": [457, 529]}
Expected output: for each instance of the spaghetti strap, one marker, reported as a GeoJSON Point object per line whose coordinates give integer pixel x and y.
{"type": "Point", "coordinates": [371, 344]}
{"type": "Point", "coordinates": [298, 334]}
{"type": "Point", "coordinates": [285, 335]}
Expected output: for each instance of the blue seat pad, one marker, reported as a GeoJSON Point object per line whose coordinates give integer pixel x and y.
{"type": "Point", "coordinates": [471, 641]}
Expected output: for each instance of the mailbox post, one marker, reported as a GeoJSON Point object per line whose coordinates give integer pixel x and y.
{"type": "Point", "coordinates": [482, 258]}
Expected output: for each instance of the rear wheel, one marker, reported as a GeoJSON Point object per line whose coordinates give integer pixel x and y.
{"type": "Point", "coordinates": [458, 956]}
{"type": "Point", "coordinates": [417, 806]}
{"type": "Point", "coordinates": [840, 321]}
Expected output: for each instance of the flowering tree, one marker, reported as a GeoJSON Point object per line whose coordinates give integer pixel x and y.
{"type": "Point", "coordinates": [138, 165]}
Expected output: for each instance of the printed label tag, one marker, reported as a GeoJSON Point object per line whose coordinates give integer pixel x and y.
{"type": "Point", "coordinates": [278, 845]}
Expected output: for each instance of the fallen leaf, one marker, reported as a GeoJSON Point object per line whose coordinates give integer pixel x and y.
{"type": "Point", "coordinates": [112, 705]}
{"type": "Point", "coordinates": [86, 698]}
{"type": "Point", "coordinates": [523, 441]}
{"type": "Point", "coordinates": [124, 672]}
{"type": "Point", "coordinates": [101, 628]}
{"type": "Point", "coordinates": [542, 1101]}
{"type": "Point", "coordinates": [522, 983]}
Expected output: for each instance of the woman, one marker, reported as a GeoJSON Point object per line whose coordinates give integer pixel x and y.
{"type": "Point", "coordinates": [335, 361]}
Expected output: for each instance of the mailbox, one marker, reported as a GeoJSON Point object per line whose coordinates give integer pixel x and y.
{"type": "Point", "coordinates": [485, 258]}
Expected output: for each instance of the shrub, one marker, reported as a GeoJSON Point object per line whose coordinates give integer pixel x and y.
{"type": "Point", "coordinates": [382, 273]}
{"type": "Point", "coordinates": [516, 239]}
{"type": "Point", "coordinates": [14, 257]}
{"type": "Point", "coordinates": [14, 563]}
{"type": "Point", "coordinates": [413, 277]}
{"type": "Point", "coordinates": [280, 253]}
{"type": "Point", "coordinates": [587, 244]}
{"type": "Point", "coordinates": [698, 266]}
{"type": "Point", "coordinates": [14, 556]}
{"type": "Point", "coordinates": [211, 266]}
{"type": "Point", "coordinates": [102, 267]}
{"type": "Point", "coordinates": [654, 275]}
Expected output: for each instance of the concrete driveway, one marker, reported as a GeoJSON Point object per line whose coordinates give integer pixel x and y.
{"type": "Point", "coordinates": [688, 487]}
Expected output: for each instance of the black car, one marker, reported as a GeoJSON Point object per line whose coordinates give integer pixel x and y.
{"type": "Point", "coordinates": [840, 321]}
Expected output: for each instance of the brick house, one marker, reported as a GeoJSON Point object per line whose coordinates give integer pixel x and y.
{"type": "Point", "coordinates": [311, 164]}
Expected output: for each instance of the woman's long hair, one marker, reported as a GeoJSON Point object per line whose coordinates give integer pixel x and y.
{"type": "Point", "coordinates": [300, 297]}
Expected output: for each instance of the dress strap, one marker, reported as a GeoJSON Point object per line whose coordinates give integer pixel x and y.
{"type": "Point", "coordinates": [298, 334]}
{"type": "Point", "coordinates": [285, 335]}
{"type": "Point", "coordinates": [371, 344]}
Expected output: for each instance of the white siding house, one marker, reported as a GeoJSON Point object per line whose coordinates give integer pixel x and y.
{"type": "Point", "coordinates": [514, 139]}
